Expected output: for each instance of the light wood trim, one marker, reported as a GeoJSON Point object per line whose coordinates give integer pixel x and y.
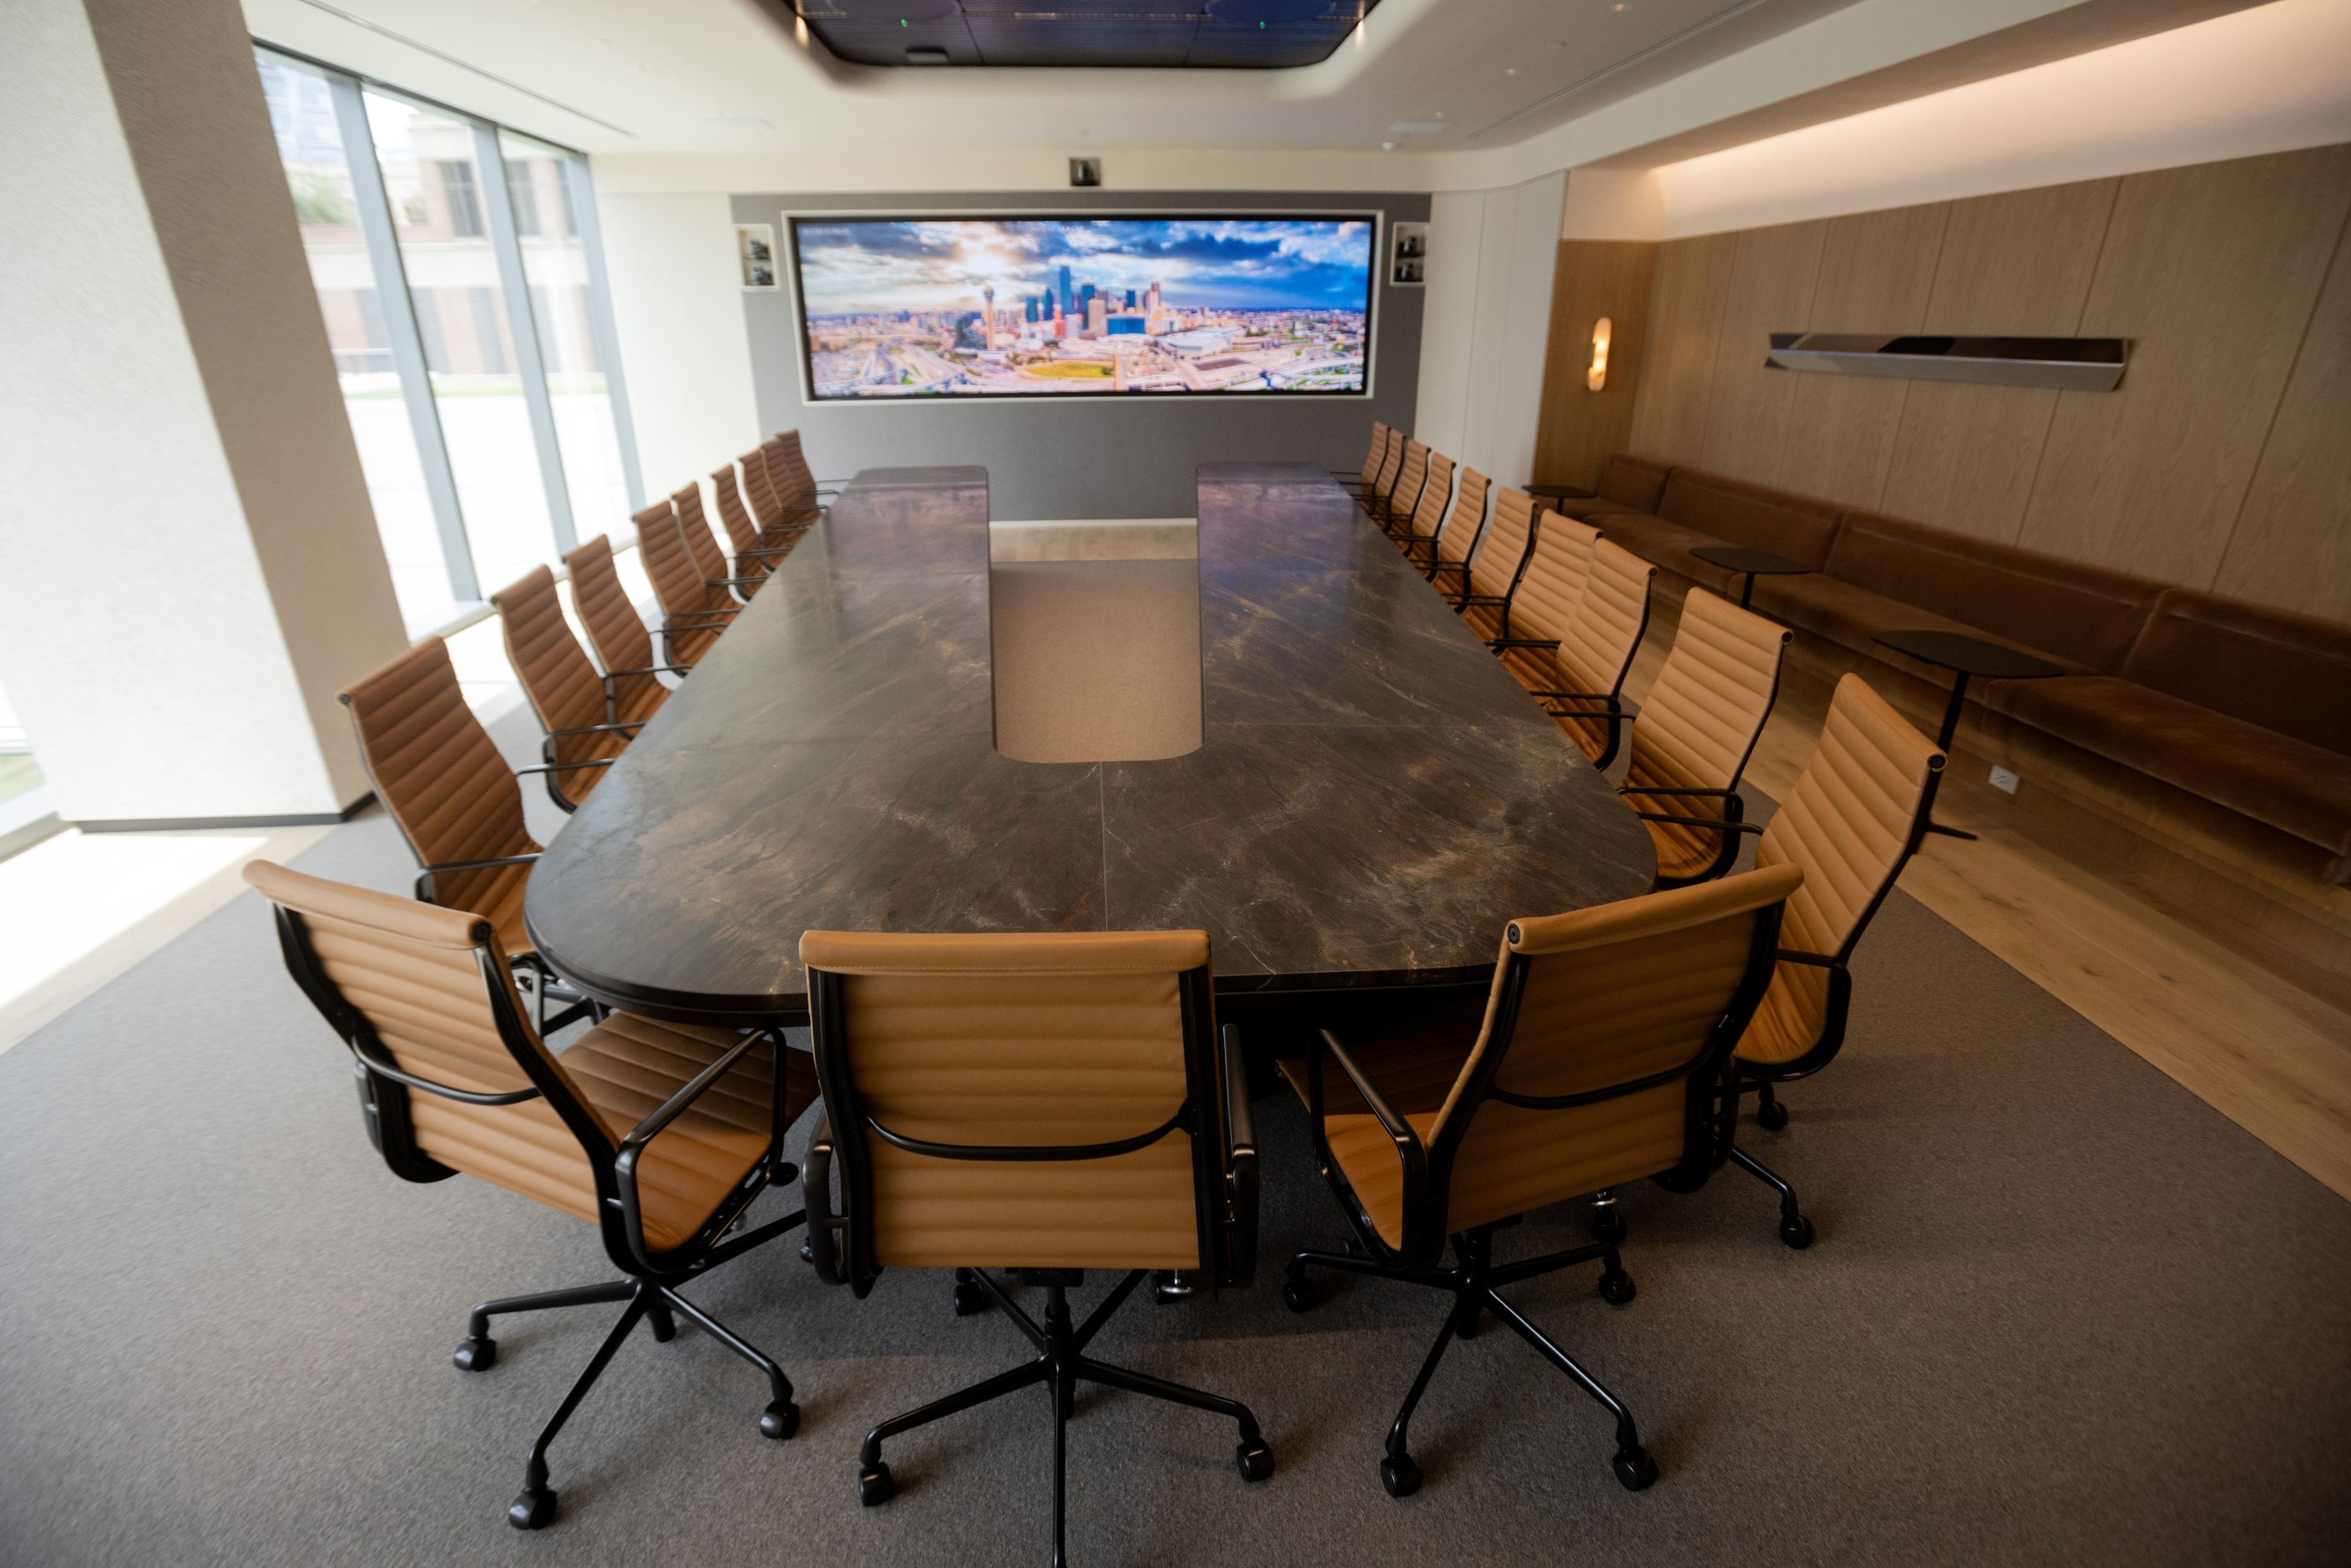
{"type": "Point", "coordinates": [1578, 427]}
{"type": "Point", "coordinates": [1771, 291]}
{"type": "Point", "coordinates": [1691, 287]}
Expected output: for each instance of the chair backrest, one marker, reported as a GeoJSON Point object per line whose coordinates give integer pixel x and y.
{"type": "Point", "coordinates": [694, 527]}
{"type": "Point", "coordinates": [930, 1047]}
{"type": "Point", "coordinates": [1384, 484]}
{"type": "Point", "coordinates": [1700, 723]}
{"type": "Point", "coordinates": [759, 490]}
{"type": "Point", "coordinates": [788, 474]}
{"type": "Point", "coordinates": [1379, 451]}
{"type": "Point", "coordinates": [1435, 491]}
{"type": "Point", "coordinates": [619, 637]}
{"type": "Point", "coordinates": [1855, 818]}
{"type": "Point", "coordinates": [1603, 1054]}
{"type": "Point", "coordinates": [741, 531]}
{"type": "Point", "coordinates": [1410, 481]}
{"type": "Point", "coordinates": [1550, 593]}
{"type": "Point", "coordinates": [1502, 550]}
{"type": "Point", "coordinates": [677, 584]}
{"type": "Point", "coordinates": [437, 773]}
{"type": "Point", "coordinates": [564, 689]}
{"type": "Point", "coordinates": [1458, 536]}
{"type": "Point", "coordinates": [1596, 648]}
{"type": "Point", "coordinates": [426, 991]}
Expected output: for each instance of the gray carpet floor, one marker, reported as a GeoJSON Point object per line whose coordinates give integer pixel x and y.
{"type": "Point", "coordinates": [2059, 1311]}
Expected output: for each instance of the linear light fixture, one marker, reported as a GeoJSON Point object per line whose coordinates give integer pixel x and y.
{"type": "Point", "coordinates": [2069, 364]}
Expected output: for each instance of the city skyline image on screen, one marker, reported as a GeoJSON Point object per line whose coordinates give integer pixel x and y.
{"type": "Point", "coordinates": [898, 308]}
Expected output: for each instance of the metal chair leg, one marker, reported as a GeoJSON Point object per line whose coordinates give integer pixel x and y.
{"type": "Point", "coordinates": [1795, 1230]}
{"type": "Point", "coordinates": [1634, 1468]}
{"type": "Point", "coordinates": [781, 1418]}
{"type": "Point", "coordinates": [478, 1352]}
{"type": "Point", "coordinates": [535, 1506]}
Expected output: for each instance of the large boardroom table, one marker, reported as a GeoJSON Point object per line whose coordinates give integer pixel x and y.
{"type": "Point", "coordinates": [1375, 796]}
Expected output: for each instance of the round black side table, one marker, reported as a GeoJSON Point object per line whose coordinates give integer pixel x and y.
{"type": "Point", "coordinates": [1754, 563]}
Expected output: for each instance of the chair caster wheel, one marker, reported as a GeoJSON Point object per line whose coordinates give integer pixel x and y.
{"type": "Point", "coordinates": [1608, 1227]}
{"type": "Point", "coordinates": [1298, 1296]}
{"type": "Point", "coordinates": [808, 1254]}
{"type": "Point", "coordinates": [1634, 1470]}
{"type": "Point", "coordinates": [1400, 1475]}
{"type": "Point", "coordinates": [1254, 1461]}
{"type": "Point", "coordinates": [969, 1298]}
{"type": "Point", "coordinates": [780, 1420]}
{"type": "Point", "coordinates": [875, 1486]}
{"type": "Point", "coordinates": [665, 1328]}
{"type": "Point", "coordinates": [1616, 1287]}
{"type": "Point", "coordinates": [1772, 1117]}
{"type": "Point", "coordinates": [534, 1509]}
{"type": "Point", "coordinates": [476, 1354]}
{"type": "Point", "coordinates": [1796, 1232]}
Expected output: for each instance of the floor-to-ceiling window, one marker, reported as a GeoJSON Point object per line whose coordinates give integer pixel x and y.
{"type": "Point", "coordinates": [457, 270]}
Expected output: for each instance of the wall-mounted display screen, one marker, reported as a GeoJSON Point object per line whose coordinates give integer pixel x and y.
{"type": "Point", "coordinates": [907, 307]}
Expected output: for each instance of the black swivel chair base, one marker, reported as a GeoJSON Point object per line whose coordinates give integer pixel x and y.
{"type": "Point", "coordinates": [1060, 1366]}
{"type": "Point", "coordinates": [1476, 1283]}
{"type": "Point", "coordinates": [649, 1300]}
{"type": "Point", "coordinates": [1795, 1229]}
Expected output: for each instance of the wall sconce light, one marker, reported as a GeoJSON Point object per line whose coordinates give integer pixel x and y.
{"type": "Point", "coordinates": [1597, 376]}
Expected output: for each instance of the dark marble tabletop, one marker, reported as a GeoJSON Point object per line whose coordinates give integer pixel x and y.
{"type": "Point", "coordinates": [1374, 799]}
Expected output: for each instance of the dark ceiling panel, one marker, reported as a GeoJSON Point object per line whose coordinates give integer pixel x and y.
{"type": "Point", "coordinates": [1244, 35]}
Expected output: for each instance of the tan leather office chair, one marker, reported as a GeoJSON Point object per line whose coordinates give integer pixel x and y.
{"type": "Point", "coordinates": [572, 702]}
{"type": "Point", "coordinates": [1419, 531]}
{"type": "Point", "coordinates": [753, 556]}
{"type": "Point", "coordinates": [658, 1135]}
{"type": "Point", "coordinates": [798, 497]}
{"type": "Point", "coordinates": [1492, 571]}
{"type": "Point", "coordinates": [1042, 1103]}
{"type": "Point", "coordinates": [701, 545]}
{"type": "Point", "coordinates": [1861, 809]}
{"type": "Point", "coordinates": [1595, 651]}
{"type": "Point", "coordinates": [1448, 555]}
{"type": "Point", "coordinates": [693, 612]}
{"type": "Point", "coordinates": [1546, 601]}
{"type": "Point", "coordinates": [1360, 481]}
{"type": "Point", "coordinates": [767, 508]}
{"type": "Point", "coordinates": [1694, 735]}
{"type": "Point", "coordinates": [446, 788]}
{"type": "Point", "coordinates": [1604, 1056]}
{"type": "Point", "coordinates": [633, 694]}
{"type": "Point", "coordinates": [1384, 484]}
{"type": "Point", "coordinates": [799, 480]}
{"type": "Point", "coordinates": [1394, 511]}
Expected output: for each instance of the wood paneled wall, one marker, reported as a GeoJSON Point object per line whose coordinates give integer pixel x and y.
{"type": "Point", "coordinates": [1578, 427]}
{"type": "Point", "coordinates": [2223, 461]}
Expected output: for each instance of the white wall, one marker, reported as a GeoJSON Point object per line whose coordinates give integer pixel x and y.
{"type": "Point", "coordinates": [677, 302]}
{"type": "Point", "coordinates": [139, 633]}
{"type": "Point", "coordinates": [1491, 256]}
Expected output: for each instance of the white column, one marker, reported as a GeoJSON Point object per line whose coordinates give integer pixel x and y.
{"type": "Point", "coordinates": [189, 567]}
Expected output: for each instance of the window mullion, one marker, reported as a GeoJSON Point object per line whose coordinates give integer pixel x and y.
{"type": "Point", "coordinates": [400, 326]}
{"type": "Point", "coordinates": [498, 206]}
{"type": "Point", "coordinates": [600, 323]}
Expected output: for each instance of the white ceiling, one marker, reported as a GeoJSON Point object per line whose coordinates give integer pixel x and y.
{"type": "Point", "coordinates": [727, 75]}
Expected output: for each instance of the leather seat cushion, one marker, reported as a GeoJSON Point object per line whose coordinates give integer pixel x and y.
{"type": "Point", "coordinates": [1852, 617]}
{"type": "Point", "coordinates": [1580, 506]}
{"type": "Point", "coordinates": [2289, 784]}
{"type": "Point", "coordinates": [1752, 515]}
{"type": "Point", "coordinates": [627, 1067]}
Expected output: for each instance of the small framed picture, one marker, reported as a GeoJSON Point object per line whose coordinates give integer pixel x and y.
{"type": "Point", "coordinates": [755, 250]}
{"type": "Point", "coordinates": [1086, 173]}
{"type": "Point", "coordinates": [1407, 255]}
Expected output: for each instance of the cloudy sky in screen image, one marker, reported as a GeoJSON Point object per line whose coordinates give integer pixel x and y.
{"type": "Point", "coordinates": [851, 268]}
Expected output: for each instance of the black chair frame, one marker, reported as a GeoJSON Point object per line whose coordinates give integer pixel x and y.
{"type": "Point", "coordinates": [1215, 1113]}
{"type": "Point", "coordinates": [652, 1277]}
{"type": "Point", "coordinates": [1475, 1280]}
{"type": "Point", "coordinates": [1730, 824]}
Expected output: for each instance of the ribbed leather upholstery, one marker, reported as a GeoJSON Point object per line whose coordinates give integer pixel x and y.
{"type": "Point", "coordinates": [677, 583]}
{"type": "Point", "coordinates": [1381, 435]}
{"type": "Point", "coordinates": [1613, 994]}
{"type": "Point", "coordinates": [741, 531]}
{"type": "Point", "coordinates": [794, 486]}
{"type": "Point", "coordinates": [1391, 465]}
{"type": "Point", "coordinates": [564, 689]}
{"type": "Point", "coordinates": [694, 527]}
{"type": "Point", "coordinates": [437, 773]}
{"type": "Point", "coordinates": [1503, 548]}
{"type": "Point", "coordinates": [1409, 484]}
{"type": "Point", "coordinates": [1596, 648]}
{"type": "Point", "coordinates": [1700, 722]}
{"type": "Point", "coordinates": [1060, 1039]}
{"type": "Point", "coordinates": [1550, 593]}
{"type": "Point", "coordinates": [1428, 516]}
{"type": "Point", "coordinates": [1847, 822]}
{"type": "Point", "coordinates": [618, 638]}
{"type": "Point", "coordinates": [1458, 536]}
{"type": "Point", "coordinates": [759, 491]}
{"type": "Point", "coordinates": [414, 973]}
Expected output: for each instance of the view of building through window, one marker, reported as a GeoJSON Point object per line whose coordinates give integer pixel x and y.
{"type": "Point", "coordinates": [489, 427]}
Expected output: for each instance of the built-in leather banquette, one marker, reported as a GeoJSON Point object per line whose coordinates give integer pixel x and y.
{"type": "Point", "coordinates": [1699, 509]}
{"type": "Point", "coordinates": [1628, 483]}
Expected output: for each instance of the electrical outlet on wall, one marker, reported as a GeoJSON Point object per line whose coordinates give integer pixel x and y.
{"type": "Point", "coordinates": [2005, 779]}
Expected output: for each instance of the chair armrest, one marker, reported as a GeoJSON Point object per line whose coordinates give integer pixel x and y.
{"type": "Point", "coordinates": [632, 1148]}
{"type": "Point", "coordinates": [825, 1227]}
{"type": "Point", "coordinates": [372, 1063]}
{"type": "Point", "coordinates": [425, 876]}
{"type": "Point", "coordinates": [1410, 1153]}
{"type": "Point", "coordinates": [565, 766]}
{"type": "Point", "coordinates": [599, 728]}
{"type": "Point", "coordinates": [1646, 790]}
{"type": "Point", "coordinates": [1240, 1176]}
{"type": "Point", "coordinates": [1817, 960]}
{"type": "Point", "coordinates": [732, 581]}
{"type": "Point", "coordinates": [1499, 643]}
{"type": "Point", "coordinates": [1717, 823]}
{"type": "Point", "coordinates": [648, 670]}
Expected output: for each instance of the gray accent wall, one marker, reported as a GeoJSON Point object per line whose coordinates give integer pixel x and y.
{"type": "Point", "coordinates": [1085, 456]}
